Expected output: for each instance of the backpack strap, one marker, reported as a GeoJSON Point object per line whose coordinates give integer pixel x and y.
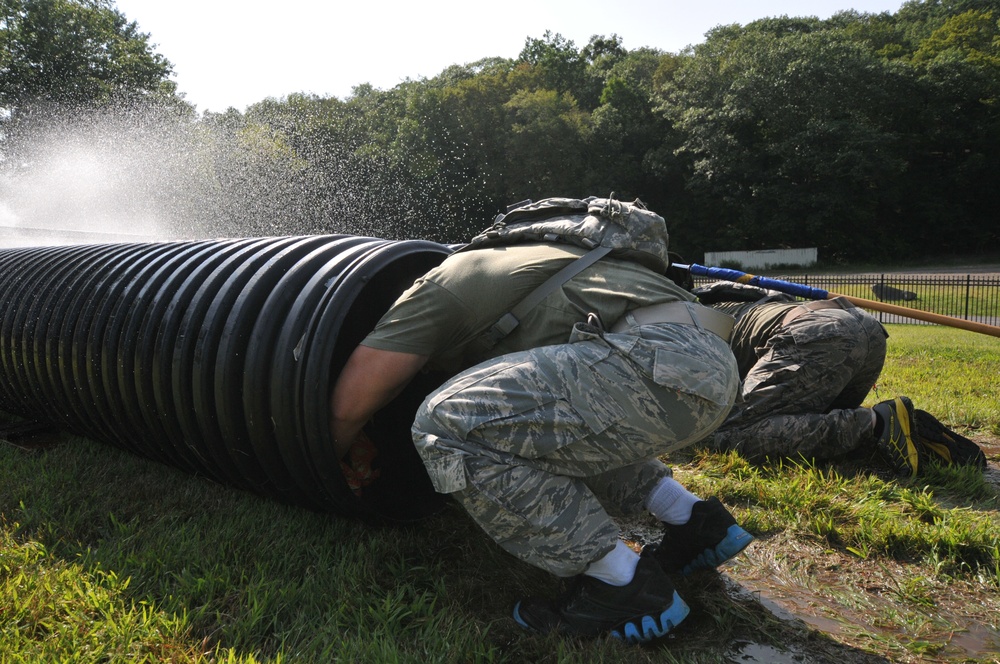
{"type": "Point", "coordinates": [510, 320]}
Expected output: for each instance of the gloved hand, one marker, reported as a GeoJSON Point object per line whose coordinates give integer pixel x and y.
{"type": "Point", "coordinates": [731, 291]}
{"type": "Point", "coordinates": [679, 271]}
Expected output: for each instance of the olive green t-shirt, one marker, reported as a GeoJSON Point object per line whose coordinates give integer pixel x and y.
{"type": "Point", "coordinates": [755, 323]}
{"type": "Point", "coordinates": [446, 310]}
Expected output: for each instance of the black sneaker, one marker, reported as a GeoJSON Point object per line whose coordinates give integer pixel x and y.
{"type": "Point", "coordinates": [646, 608]}
{"type": "Point", "coordinates": [709, 538]}
{"type": "Point", "coordinates": [896, 442]}
{"type": "Point", "coordinates": [936, 442]}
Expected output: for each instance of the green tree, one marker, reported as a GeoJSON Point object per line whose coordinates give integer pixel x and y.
{"type": "Point", "coordinates": [562, 66]}
{"type": "Point", "coordinates": [954, 150]}
{"type": "Point", "coordinates": [629, 139]}
{"type": "Point", "coordinates": [788, 135]}
{"type": "Point", "coordinates": [921, 17]}
{"type": "Point", "coordinates": [973, 36]}
{"type": "Point", "coordinates": [468, 126]}
{"type": "Point", "coordinates": [544, 147]}
{"type": "Point", "coordinates": [555, 54]}
{"type": "Point", "coordinates": [74, 52]}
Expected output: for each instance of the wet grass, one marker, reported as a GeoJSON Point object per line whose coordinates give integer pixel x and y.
{"type": "Point", "coordinates": [108, 557]}
{"type": "Point", "coordinates": [902, 564]}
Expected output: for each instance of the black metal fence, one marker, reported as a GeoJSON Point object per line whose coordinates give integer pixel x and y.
{"type": "Point", "coordinates": [966, 296]}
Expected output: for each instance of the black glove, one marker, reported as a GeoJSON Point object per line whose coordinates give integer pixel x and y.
{"type": "Point", "coordinates": [730, 291]}
{"type": "Point", "coordinates": [680, 273]}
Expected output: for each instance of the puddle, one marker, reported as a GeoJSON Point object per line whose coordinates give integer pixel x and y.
{"type": "Point", "coordinates": [754, 652]}
{"type": "Point", "coordinates": [852, 603]}
{"type": "Point", "coordinates": [786, 605]}
{"type": "Point", "coordinates": [977, 639]}
{"type": "Point", "coordinates": [992, 475]}
{"type": "Point", "coordinates": [991, 448]}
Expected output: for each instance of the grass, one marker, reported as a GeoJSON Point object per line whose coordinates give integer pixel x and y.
{"type": "Point", "coordinates": [948, 372]}
{"type": "Point", "coordinates": [947, 296]}
{"type": "Point", "coordinates": [107, 557]}
{"type": "Point", "coordinates": [955, 263]}
{"type": "Point", "coordinates": [954, 295]}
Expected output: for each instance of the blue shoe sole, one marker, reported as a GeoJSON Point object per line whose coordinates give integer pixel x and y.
{"type": "Point", "coordinates": [639, 629]}
{"type": "Point", "coordinates": [646, 628]}
{"type": "Point", "coordinates": [736, 540]}
{"type": "Point", "coordinates": [519, 620]}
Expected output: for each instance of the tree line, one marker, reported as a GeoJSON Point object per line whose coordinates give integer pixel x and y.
{"type": "Point", "coordinates": [869, 136]}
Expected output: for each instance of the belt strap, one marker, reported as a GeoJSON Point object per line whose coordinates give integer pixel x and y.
{"type": "Point", "coordinates": [839, 302]}
{"type": "Point", "coordinates": [682, 313]}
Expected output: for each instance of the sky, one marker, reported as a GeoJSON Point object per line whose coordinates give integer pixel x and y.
{"type": "Point", "coordinates": [233, 53]}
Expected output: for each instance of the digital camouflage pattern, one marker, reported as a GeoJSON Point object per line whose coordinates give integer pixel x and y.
{"type": "Point", "coordinates": [540, 445]}
{"type": "Point", "coordinates": [802, 398]}
{"type": "Point", "coordinates": [630, 230]}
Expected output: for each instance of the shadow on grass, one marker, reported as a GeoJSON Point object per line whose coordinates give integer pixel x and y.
{"type": "Point", "coordinates": [262, 580]}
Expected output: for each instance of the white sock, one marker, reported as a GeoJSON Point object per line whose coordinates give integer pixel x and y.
{"type": "Point", "coordinates": [670, 502]}
{"type": "Point", "coordinates": [616, 568]}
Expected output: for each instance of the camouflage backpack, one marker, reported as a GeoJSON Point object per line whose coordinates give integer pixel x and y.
{"type": "Point", "coordinates": [627, 230]}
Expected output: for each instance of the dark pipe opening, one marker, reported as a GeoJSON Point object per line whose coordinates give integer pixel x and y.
{"type": "Point", "coordinates": [217, 357]}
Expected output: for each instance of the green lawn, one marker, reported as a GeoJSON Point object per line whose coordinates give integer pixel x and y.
{"type": "Point", "coordinates": [106, 557]}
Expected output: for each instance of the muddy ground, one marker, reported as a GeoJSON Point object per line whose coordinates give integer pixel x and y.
{"type": "Point", "coordinates": [837, 608]}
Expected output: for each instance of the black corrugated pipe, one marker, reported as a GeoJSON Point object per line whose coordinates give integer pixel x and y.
{"type": "Point", "coordinates": [216, 357]}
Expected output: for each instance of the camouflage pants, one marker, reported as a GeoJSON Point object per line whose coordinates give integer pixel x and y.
{"type": "Point", "coordinates": [542, 446]}
{"type": "Point", "coordinates": [802, 397]}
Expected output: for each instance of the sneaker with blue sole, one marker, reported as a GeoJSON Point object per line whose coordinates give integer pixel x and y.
{"type": "Point", "coordinates": [643, 610]}
{"type": "Point", "coordinates": [709, 538]}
